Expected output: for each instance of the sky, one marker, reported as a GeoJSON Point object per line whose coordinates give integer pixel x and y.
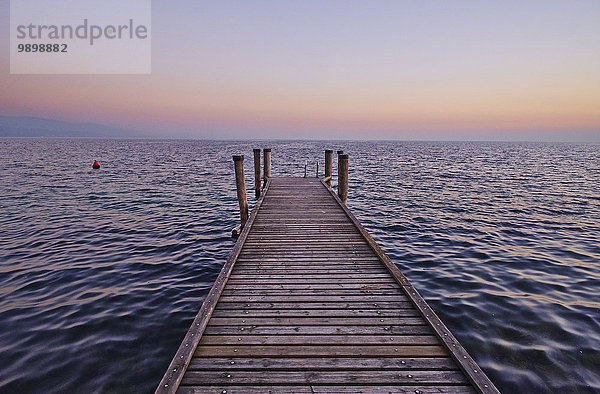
{"type": "Point", "coordinates": [322, 69]}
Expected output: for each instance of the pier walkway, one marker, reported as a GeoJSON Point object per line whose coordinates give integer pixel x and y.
{"type": "Point", "coordinates": [308, 303]}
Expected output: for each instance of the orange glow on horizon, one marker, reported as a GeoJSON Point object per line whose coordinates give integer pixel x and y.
{"type": "Point", "coordinates": [445, 108]}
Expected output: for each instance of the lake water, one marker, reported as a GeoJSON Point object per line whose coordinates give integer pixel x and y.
{"type": "Point", "coordinates": [103, 271]}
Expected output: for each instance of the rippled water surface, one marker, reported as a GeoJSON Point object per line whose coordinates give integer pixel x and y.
{"type": "Point", "coordinates": [103, 271]}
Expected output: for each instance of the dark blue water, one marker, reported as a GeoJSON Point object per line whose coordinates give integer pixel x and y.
{"type": "Point", "coordinates": [103, 271]}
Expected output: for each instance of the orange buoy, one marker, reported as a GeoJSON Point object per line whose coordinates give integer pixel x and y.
{"type": "Point", "coordinates": [95, 166]}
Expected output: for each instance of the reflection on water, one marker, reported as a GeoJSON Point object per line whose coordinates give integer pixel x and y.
{"type": "Point", "coordinates": [103, 271]}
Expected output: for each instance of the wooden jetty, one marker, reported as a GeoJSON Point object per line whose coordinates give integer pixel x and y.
{"type": "Point", "coordinates": [307, 302]}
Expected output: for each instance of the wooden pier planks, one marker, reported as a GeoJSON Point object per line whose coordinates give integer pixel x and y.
{"type": "Point", "coordinates": [307, 302]}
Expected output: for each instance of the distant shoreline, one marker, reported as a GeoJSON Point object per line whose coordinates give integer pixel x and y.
{"type": "Point", "coordinates": [33, 127]}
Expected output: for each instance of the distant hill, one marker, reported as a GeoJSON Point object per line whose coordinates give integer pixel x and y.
{"type": "Point", "coordinates": [24, 126]}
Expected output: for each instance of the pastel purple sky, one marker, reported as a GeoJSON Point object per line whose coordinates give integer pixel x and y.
{"type": "Point", "coordinates": [342, 69]}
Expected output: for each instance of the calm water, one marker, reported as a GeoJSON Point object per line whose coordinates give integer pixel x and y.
{"type": "Point", "coordinates": [103, 271]}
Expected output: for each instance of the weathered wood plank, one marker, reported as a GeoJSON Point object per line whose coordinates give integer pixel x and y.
{"type": "Point", "coordinates": [245, 389]}
{"type": "Point", "coordinates": [315, 241]}
{"type": "Point", "coordinates": [318, 330]}
{"type": "Point", "coordinates": [258, 282]}
{"type": "Point", "coordinates": [316, 263]}
{"type": "Point", "coordinates": [308, 277]}
{"type": "Point", "coordinates": [316, 259]}
{"type": "Point", "coordinates": [368, 293]}
{"type": "Point", "coordinates": [290, 273]}
{"type": "Point", "coordinates": [321, 350]}
{"type": "Point", "coordinates": [224, 304]}
{"type": "Point", "coordinates": [317, 313]}
{"type": "Point", "coordinates": [287, 297]}
{"type": "Point", "coordinates": [323, 248]}
{"type": "Point", "coordinates": [302, 231]}
{"type": "Point", "coordinates": [319, 238]}
{"type": "Point", "coordinates": [327, 389]}
{"type": "Point", "coordinates": [325, 321]}
{"type": "Point", "coordinates": [394, 389]}
{"type": "Point", "coordinates": [314, 286]}
{"type": "Point", "coordinates": [364, 291]}
{"type": "Point", "coordinates": [323, 363]}
{"type": "Point", "coordinates": [281, 269]}
{"type": "Point", "coordinates": [270, 272]}
{"type": "Point", "coordinates": [319, 340]}
{"type": "Point", "coordinates": [274, 254]}
{"type": "Point", "coordinates": [325, 377]}
{"type": "Point", "coordinates": [308, 250]}
{"type": "Point", "coordinates": [349, 258]}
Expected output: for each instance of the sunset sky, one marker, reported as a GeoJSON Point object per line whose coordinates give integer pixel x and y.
{"type": "Point", "coordinates": [342, 69]}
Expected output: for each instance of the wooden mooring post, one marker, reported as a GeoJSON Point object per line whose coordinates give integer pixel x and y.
{"type": "Point", "coordinates": [328, 166]}
{"type": "Point", "coordinates": [343, 178]}
{"type": "Point", "coordinates": [240, 185]}
{"type": "Point", "coordinates": [267, 165]}
{"type": "Point", "coordinates": [256, 173]}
